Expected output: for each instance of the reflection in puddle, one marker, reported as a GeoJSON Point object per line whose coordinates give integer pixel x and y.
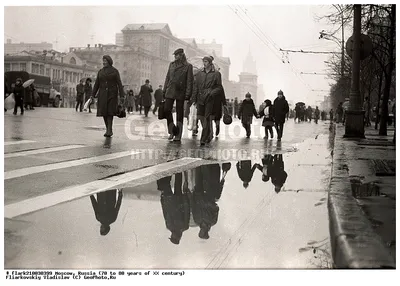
{"type": "Point", "coordinates": [106, 208]}
{"type": "Point", "coordinates": [362, 190]}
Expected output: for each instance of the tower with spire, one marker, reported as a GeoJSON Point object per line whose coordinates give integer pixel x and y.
{"type": "Point", "coordinates": [249, 65]}
{"type": "Point", "coordinates": [248, 77]}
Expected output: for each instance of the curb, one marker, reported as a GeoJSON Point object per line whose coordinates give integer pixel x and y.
{"type": "Point", "coordinates": [354, 242]}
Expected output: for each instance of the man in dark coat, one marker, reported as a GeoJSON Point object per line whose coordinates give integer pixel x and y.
{"type": "Point", "coordinates": [175, 206]}
{"type": "Point", "coordinates": [80, 92]}
{"type": "Point", "coordinates": [88, 92]}
{"type": "Point", "coordinates": [208, 84]}
{"type": "Point", "coordinates": [106, 208]}
{"type": "Point", "coordinates": [19, 92]}
{"type": "Point", "coordinates": [145, 95]}
{"type": "Point", "coordinates": [281, 107]}
{"type": "Point", "coordinates": [178, 87]}
{"type": "Point", "coordinates": [204, 208]}
{"type": "Point", "coordinates": [158, 96]}
{"type": "Point", "coordinates": [109, 86]}
{"type": "Point", "coordinates": [278, 174]}
{"type": "Point", "coordinates": [246, 111]}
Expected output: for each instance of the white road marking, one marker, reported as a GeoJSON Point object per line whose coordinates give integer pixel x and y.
{"type": "Point", "coordinates": [18, 142]}
{"type": "Point", "coordinates": [42, 150]}
{"type": "Point", "coordinates": [71, 193]}
{"type": "Point", "coordinates": [56, 166]}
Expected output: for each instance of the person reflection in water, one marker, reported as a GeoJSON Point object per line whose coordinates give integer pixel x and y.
{"type": "Point", "coordinates": [106, 208]}
{"type": "Point", "coordinates": [278, 174]}
{"type": "Point", "coordinates": [245, 171]}
{"type": "Point", "coordinates": [207, 191]}
{"type": "Point", "coordinates": [175, 206]}
{"type": "Point", "coordinates": [266, 167]}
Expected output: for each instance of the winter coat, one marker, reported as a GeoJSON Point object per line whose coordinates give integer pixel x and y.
{"type": "Point", "coordinates": [88, 91]}
{"type": "Point", "coordinates": [268, 118]}
{"type": "Point", "coordinates": [80, 92]}
{"type": "Point", "coordinates": [219, 101]}
{"type": "Point", "coordinates": [19, 92]}
{"type": "Point", "coordinates": [145, 95]}
{"type": "Point", "coordinates": [130, 102]}
{"type": "Point", "coordinates": [158, 96]}
{"type": "Point", "coordinates": [28, 95]}
{"type": "Point", "coordinates": [106, 207]}
{"type": "Point", "coordinates": [245, 170]}
{"type": "Point", "coordinates": [278, 174]}
{"type": "Point", "coordinates": [206, 86]}
{"type": "Point", "coordinates": [316, 113]}
{"type": "Point", "coordinates": [179, 81]}
{"type": "Point", "coordinates": [281, 107]}
{"type": "Point", "coordinates": [246, 111]}
{"type": "Point", "coordinates": [108, 85]}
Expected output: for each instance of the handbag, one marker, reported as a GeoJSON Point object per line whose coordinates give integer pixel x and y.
{"type": "Point", "coordinates": [121, 113]}
{"type": "Point", "coordinates": [192, 117]}
{"type": "Point", "coordinates": [88, 102]}
{"type": "Point", "coordinates": [227, 118]}
{"type": "Point", "coordinates": [161, 111]}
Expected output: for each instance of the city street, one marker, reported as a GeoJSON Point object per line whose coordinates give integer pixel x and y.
{"type": "Point", "coordinates": [55, 158]}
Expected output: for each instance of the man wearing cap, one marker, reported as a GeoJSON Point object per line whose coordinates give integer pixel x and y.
{"type": "Point", "coordinates": [145, 96]}
{"type": "Point", "coordinates": [208, 84]}
{"type": "Point", "coordinates": [178, 87]}
{"type": "Point", "coordinates": [281, 108]}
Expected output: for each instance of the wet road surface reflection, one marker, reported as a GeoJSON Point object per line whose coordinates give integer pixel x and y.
{"type": "Point", "coordinates": [244, 214]}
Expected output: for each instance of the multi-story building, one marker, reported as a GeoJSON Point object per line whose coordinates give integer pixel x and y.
{"type": "Point", "coordinates": [211, 48]}
{"type": "Point", "coordinates": [158, 39]}
{"type": "Point", "coordinates": [64, 70]}
{"type": "Point", "coordinates": [11, 48]}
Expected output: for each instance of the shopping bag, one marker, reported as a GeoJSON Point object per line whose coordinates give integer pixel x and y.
{"type": "Point", "coordinates": [88, 102]}
{"type": "Point", "coordinates": [121, 113]}
{"type": "Point", "coordinates": [9, 102]}
{"type": "Point", "coordinates": [192, 117]}
{"type": "Point", "coordinates": [161, 112]}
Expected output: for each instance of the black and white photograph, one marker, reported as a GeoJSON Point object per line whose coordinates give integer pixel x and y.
{"type": "Point", "coordinates": [199, 136]}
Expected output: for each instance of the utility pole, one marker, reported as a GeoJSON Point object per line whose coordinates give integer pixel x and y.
{"type": "Point", "coordinates": [355, 114]}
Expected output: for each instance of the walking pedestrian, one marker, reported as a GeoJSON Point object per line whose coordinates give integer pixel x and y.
{"type": "Point", "coordinates": [207, 85]}
{"type": "Point", "coordinates": [281, 107]}
{"type": "Point", "coordinates": [178, 87]}
{"type": "Point", "coordinates": [316, 114]}
{"type": "Point", "coordinates": [89, 92]}
{"type": "Point", "coordinates": [331, 115]}
{"type": "Point", "coordinates": [309, 114]}
{"type": "Point", "coordinates": [108, 85]}
{"type": "Point", "coordinates": [246, 112]}
{"type": "Point", "coordinates": [339, 113]}
{"type": "Point", "coordinates": [245, 171]}
{"type": "Point", "coordinates": [80, 92]}
{"type": "Point", "coordinates": [130, 101]}
{"type": "Point", "coordinates": [28, 95]}
{"type": "Point", "coordinates": [158, 96]}
{"type": "Point", "coordinates": [19, 94]}
{"type": "Point", "coordinates": [278, 174]}
{"type": "Point", "coordinates": [266, 167]}
{"type": "Point", "coordinates": [145, 95]}
{"type": "Point", "coordinates": [267, 111]}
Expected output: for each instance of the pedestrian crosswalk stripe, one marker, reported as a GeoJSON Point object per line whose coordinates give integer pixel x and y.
{"type": "Point", "coordinates": [18, 142]}
{"type": "Point", "coordinates": [41, 151]}
{"type": "Point", "coordinates": [61, 165]}
{"type": "Point", "coordinates": [134, 178]}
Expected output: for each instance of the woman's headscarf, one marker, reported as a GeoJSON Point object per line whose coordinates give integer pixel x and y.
{"type": "Point", "coordinates": [108, 59]}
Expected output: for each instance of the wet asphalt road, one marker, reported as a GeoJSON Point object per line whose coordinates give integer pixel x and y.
{"type": "Point", "coordinates": [258, 226]}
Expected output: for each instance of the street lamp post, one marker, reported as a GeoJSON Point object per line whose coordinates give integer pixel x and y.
{"type": "Point", "coordinates": [355, 114]}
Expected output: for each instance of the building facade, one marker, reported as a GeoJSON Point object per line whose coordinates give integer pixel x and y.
{"type": "Point", "coordinates": [11, 48]}
{"type": "Point", "coordinates": [65, 70]}
{"type": "Point", "coordinates": [211, 48]}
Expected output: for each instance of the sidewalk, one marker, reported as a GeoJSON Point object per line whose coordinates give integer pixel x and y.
{"type": "Point", "coordinates": [362, 201]}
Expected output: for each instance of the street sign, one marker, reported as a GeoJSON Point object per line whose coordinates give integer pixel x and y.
{"type": "Point", "coordinates": [365, 49]}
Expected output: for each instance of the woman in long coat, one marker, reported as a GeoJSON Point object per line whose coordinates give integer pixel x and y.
{"type": "Point", "coordinates": [108, 85]}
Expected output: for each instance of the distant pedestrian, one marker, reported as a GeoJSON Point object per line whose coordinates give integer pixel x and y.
{"type": "Point", "coordinates": [89, 93]}
{"type": "Point", "coordinates": [316, 114]}
{"type": "Point", "coordinates": [339, 113]}
{"type": "Point", "coordinates": [267, 112]}
{"type": "Point", "coordinates": [281, 108]}
{"type": "Point", "coordinates": [158, 96]}
{"type": "Point", "coordinates": [178, 87]}
{"type": "Point", "coordinates": [80, 92]}
{"type": "Point", "coordinates": [246, 112]}
{"type": "Point", "coordinates": [19, 92]}
{"type": "Point", "coordinates": [28, 95]}
{"type": "Point", "coordinates": [145, 95]}
{"type": "Point", "coordinates": [331, 115]}
{"type": "Point", "coordinates": [130, 101]}
{"type": "Point", "coordinates": [109, 87]}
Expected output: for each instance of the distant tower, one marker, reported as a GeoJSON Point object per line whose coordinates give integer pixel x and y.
{"type": "Point", "coordinates": [249, 65]}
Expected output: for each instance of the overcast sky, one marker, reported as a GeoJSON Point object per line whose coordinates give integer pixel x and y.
{"type": "Point", "coordinates": [287, 26]}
